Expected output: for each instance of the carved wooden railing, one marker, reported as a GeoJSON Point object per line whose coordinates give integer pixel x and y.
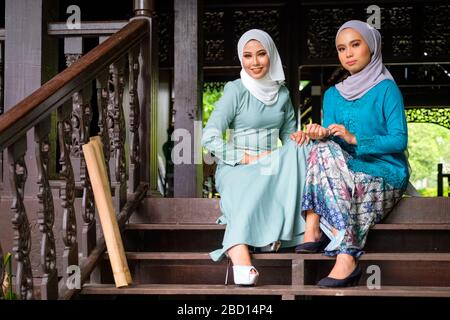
{"type": "Point", "coordinates": [113, 65]}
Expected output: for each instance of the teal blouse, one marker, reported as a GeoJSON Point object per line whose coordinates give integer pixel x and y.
{"type": "Point", "coordinates": [378, 121]}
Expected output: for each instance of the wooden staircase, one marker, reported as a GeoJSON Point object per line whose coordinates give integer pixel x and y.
{"type": "Point", "coordinates": [168, 241]}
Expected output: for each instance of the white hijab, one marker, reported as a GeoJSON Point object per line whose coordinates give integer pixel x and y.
{"type": "Point", "coordinates": [265, 89]}
{"type": "Point", "coordinates": [356, 85]}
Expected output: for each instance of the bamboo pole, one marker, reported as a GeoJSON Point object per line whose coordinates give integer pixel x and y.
{"type": "Point", "coordinates": [98, 147]}
{"type": "Point", "coordinates": [103, 201]}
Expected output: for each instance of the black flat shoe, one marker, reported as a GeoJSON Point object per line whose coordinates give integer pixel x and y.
{"type": "Point", "coordinates": [350, 281]}
{"type": "Point", "coordinates": [313, 247]}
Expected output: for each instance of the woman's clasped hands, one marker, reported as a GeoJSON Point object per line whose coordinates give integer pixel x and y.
{"type": "Point", "coordinates": [315, 131]}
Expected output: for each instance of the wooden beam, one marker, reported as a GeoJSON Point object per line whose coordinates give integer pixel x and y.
{"type": "Point", "coordinates": [188, 177]}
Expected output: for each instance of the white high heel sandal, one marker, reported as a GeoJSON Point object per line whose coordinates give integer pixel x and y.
{"type": "Point", "coordinates": [243, 275]}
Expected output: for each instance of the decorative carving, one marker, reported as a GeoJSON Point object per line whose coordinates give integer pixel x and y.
{"type": "Point", "coordinates": [322, 24]}
{"type": "Point", "coordinates": [71, 58]}
{"type": "Point", "coordinates": [116, 114]}
{"type": "Point", "coordinates": [67, 194]}
{"type": "Point", "coordinates": [165, 37]}
{"type": "Point", "coordinates": [46, 218]}
{"type": "Point", "coordinates": [397, 18]}
{"type": "Point", "coordinates": [214, 50]}
{"type": "Point", "coordinates": [22, 232]}
{"type": "Point", "coordinates": [402, 45]}
{"type": "Point", "coordinates": [436, 30]}
{"type": "Point", "coordinates": [102, 103]}
{"type": "Point", "coordinates": [133, 61]}
{"type": "Point", "coordinates": [440, 116]}
{"type": "Point", "coordinates": [77, 124]}
{"type": "Point", "coordinates": [267, 20]}
{"type": "Point", "coordinates": [213, 22]}
{"type": "Point", "coordinates": [213, 86]}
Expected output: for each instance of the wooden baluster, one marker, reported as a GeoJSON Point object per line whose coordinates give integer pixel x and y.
{"type": "Point", "coordinates": [70, 254]}
{"type": "Point", "coordinates": [118, 133]}
{"type": "Point", "coordinates": [104, 122]}
{"type": "Point", "coordinates": [81, 120]}
{"type": "Point", "coordinates": [21, 226]}
{"type": "Point", "coordinates": [135, 150]}
{"type": "Point", "coordinates": [46, 213]}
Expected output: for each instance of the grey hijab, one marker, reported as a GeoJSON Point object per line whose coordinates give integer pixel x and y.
{"type": "Point", "coordinates": [356, 85]}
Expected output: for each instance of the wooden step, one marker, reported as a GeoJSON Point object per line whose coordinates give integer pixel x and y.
{"type": "Point", "coordinates": [285, 291]}
{"type": "Point", "coordinates": [437, 257]}
{"type": "Point", "coordinates": [208, 237]}
{"type": "Point", "coordinates": [431, 210]}
{"type": "Point", "coordinates": [209, 226]}
{"type": "Point", "coordinates": [395, 269]}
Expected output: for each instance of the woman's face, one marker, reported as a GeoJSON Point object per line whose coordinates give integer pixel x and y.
{"type": "Point", "coordinates": [255, 59]}
{"type": "Point", "coordinates": [354, 53]}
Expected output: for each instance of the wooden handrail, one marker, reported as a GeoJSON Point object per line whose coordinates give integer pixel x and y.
{"type": "Point", "coordinates": [27, 113]}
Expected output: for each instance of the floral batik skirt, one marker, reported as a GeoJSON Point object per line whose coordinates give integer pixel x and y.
{"type": "Point", "coordinates": [350, 202]}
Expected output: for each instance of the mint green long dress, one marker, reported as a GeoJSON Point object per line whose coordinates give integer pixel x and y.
{"type": "Point", "coordinates": [260, 202]}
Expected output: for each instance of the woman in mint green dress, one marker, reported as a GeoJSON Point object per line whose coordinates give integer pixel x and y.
{"type": "Point", "coordinates": [260, 185]}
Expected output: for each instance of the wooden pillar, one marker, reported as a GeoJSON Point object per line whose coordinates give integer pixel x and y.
{"type": "Point", "coordinates": [188, 177]}
{"type": "Point", "coordinates": [293, 32]}
{"type": "Point", "coordinates": [31, 58]}
{"type": "Point", "coordinates": [148, 87]}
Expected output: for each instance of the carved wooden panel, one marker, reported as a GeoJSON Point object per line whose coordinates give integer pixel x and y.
{"type": "Point", "coordinates": [436, 30]}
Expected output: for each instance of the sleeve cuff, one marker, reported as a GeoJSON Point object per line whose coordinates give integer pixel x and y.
{"type": "Point", "coordinates": [235, 158]}
{"type": "Point", "coordinates": [364, 145]}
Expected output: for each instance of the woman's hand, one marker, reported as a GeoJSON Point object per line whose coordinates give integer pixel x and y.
{"type": "Point", "coordinates": [316, 131]}
{"type": "Point", "coordinates": [299, 137]}
{"type": "Point", "coordinates": [249, 159]}
{"type": "Point", "coordinates": [340, 131]}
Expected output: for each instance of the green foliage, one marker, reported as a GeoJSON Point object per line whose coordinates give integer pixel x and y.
{"type": "Point", "coordinates": [8, 292]}
{"type": "Point", "coordinates": [428, 145]}
{"type": "Point", "coordinates": [210, 97]}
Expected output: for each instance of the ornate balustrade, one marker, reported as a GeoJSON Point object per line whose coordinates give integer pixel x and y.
{"type": "Point", "coordinates": [117, 68]}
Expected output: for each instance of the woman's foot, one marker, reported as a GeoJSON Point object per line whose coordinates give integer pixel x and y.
{"type": "Point", "coordinates": [240, 256]}
{"type": "Point", "coordinates": [346, 273]}
{"type": "Point", "coordinates": [344, 266]}
{"type": "Point", "coordinates": [312, 228]}
{"type": "Point", "coordinates": [245, 275]}
{"type": "Point", "coordinates": [314, 240]}
{"type": "Point", "coordinates": [244, 272]}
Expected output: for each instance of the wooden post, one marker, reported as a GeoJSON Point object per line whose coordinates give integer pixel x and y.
{"type": "Point", "coordinates": [188, 177]}
{"type": "Point", "coordinates": [316, 98]}
{"type": "Point", "coordinates": [31, 58]}
{"type": "Point", "coordinates": [292, 55]}
{"type": "Point", "coordinates": [147, 94]}
{"type": "Point", "coordinates": [440, 181]}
